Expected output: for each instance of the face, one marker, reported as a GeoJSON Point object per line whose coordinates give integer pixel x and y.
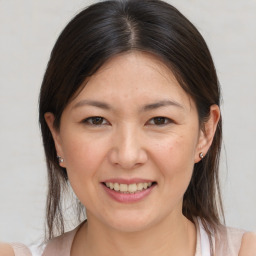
{"type": "Point", "coordinates": [129, 141]}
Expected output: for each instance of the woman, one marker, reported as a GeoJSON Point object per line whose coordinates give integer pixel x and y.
{"type": "Point", "coordinates": [130, 118]}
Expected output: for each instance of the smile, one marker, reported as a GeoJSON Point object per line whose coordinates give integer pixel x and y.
{"type": "Point", "coordinates": [128, 191]}
{"type": "Point", "coordinates": [128, 188]}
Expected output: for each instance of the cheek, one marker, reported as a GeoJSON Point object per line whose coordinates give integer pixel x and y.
{"type": "Point", "coordinates": [175, 160]}
{"type": "Point", "coordinates": [82, 156]}
{"type": "Point", "coordinates": [179, 151]}
{"type": "Point", "coordinates": [176, 164]}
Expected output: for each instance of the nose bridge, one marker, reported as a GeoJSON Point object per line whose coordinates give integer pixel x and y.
{"type": "Point", "coordinates": [128, 148]}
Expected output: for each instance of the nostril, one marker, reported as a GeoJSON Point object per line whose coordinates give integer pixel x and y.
{"type": "Point", "coordinates": [128, 158]}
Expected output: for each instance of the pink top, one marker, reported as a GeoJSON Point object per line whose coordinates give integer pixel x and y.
{"type": "Point", "coordinates": [226, 243]}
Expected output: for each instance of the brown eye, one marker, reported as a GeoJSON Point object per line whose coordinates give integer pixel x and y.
{"type": "Point", "coordinates": [95, 120]}
{"type": "Point", "coordinates": [159, 120]}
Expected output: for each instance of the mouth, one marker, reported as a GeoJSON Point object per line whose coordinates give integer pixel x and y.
{"type": "Point", "coordinates": [129, 188]}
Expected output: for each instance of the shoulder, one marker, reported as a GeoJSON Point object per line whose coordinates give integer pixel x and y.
{"type": "Point", "coordinates": [6, 249]}
{"type": "Point", "coordinates": [14, 249]}
{"type": "Point", "coordinates": [248, 244]}
{"type": "Point", "coordinates": [231, 241]}
{"type": "Point", "coordinates": [245, 240]}
{"type": "Point", "coordinates": [62, 244]}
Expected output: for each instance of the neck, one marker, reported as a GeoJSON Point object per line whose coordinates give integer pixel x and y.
{"type": "Point", "coordinates": [173, 236]}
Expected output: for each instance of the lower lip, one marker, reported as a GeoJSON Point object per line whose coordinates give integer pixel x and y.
{"type": "Point", "coordinates": [128, 197]}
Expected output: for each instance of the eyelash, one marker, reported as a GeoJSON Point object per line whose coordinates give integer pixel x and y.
{"type": "Point", "coordinates": [160, 118]}
{"type": "Point", "coordinates": [90, 120]}
{"type": "Point", "coordinates": [103, 121]}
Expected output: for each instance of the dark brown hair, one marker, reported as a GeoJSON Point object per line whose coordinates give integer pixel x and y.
{"type": "Point", "coordinates": [104, 30]}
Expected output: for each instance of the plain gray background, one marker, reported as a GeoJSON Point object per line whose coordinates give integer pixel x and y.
{"type": "Point", "coordinates": [28, 30]}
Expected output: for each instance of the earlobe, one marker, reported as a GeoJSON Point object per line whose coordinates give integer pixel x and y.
{"type": "Point", "coordinates": [49, 119]}
{"type": "Point", "coordinates": [207, 133]}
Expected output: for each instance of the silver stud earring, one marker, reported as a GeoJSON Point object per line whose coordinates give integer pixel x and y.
{"type": "Point", "coordinates": [60, 159]}
{"type": "Point", "coordinates": [201, 155]}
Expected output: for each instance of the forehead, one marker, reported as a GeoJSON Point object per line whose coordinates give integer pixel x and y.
{"type": "Point", "coordinates": [134, 65]}
{"type": "Point", "coordinates": [133, 76]}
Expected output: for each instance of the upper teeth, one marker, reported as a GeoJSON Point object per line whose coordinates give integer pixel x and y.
{"type": "Point", "coordinates": [128, 188]}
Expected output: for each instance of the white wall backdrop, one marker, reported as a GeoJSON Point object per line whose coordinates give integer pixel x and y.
{"type": "Point", "coordinates": [28, 30]}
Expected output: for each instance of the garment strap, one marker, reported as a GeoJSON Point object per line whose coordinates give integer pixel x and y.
{"type": "Point", "coordinates": [203, 247]}
{"type": "Point", "coordinates": [204, 240]}
{"type": "Point", "coordinates": [61, 245]}
{"type": "Point", "coordinates": [228, 241]}
{"type": "Point", "coordinates": [20, 249]}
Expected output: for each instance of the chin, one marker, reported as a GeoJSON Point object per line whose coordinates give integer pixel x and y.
{"type": "Point", "coordinates": [130, 222]}
{"type": "Point", "coordinates": [130, 227]}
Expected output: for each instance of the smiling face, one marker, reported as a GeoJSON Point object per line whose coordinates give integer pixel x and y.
{"type": "Point", "coordinates": [129, 141]}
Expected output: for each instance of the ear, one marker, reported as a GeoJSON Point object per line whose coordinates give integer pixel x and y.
{"type": "Point", "coordinates": [49, 119]}
{"type": "Point", "coordinates": [207, 132]}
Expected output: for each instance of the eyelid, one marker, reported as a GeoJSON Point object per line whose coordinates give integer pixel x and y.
{"type": "Point", "coordinates": [167, 121]}
{"type": "Point", "coordinates": [89, 120]}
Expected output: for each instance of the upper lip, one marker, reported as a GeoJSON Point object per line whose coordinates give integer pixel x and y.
{"type": "Point", "coordinates": [128, 181]}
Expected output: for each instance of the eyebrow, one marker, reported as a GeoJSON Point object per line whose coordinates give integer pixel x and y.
{"type": "Point", "coordinates": [147, 107]}
{"type": "Point", "coordinates": [160, 104]}
{"type": "Point", "coordinates": [93, 103]}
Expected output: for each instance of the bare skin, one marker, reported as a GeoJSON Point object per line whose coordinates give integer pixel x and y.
{"type": "Point", "coordinates": [112, 130]}
{"type": "Point", "coordinates": [248, 246]}
{"type": "Point", "coordinates": [140, 134]}
{"type": "Point", "coordinates": [168, 242]}
{"type": "Point", "coordinates": [6, 250]}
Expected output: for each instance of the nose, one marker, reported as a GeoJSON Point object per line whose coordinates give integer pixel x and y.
{"type": "Point", "coordinates": [127, 150]}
